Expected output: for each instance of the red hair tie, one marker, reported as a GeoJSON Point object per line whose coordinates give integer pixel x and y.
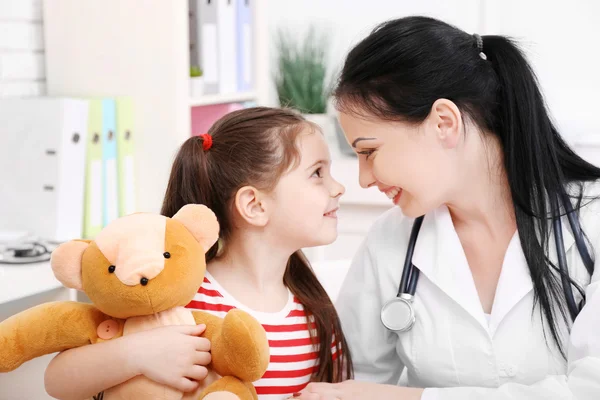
{"type": "Point", "coordinates": [206, 141]}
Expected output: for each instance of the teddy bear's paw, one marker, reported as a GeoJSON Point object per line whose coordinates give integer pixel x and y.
{"type": "Point", "coordinates": [246, 344]}
{"type": "Point", "coordinates": [229, 388]}
{"type": "Point", "coordinates": [221, 396]}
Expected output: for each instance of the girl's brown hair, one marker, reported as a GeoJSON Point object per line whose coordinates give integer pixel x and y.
{"type": "Point", "coordinates": [256, 146]}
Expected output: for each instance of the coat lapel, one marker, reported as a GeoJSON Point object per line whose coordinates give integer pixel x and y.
{"type": "Point", "coordinates": [440, 257]}
{"type": "Point", "coordinates": [515, 279]}
{"type": "Point", "coordinates": [514, 283]}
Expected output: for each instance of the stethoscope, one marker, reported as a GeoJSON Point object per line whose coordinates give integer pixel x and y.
{"type": "Point", "coordinates": [398, 314]}
{"type": "Point", "coordinates": [25, 253]}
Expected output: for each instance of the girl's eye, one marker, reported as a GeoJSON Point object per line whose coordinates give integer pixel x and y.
{"type": "Point", "coordinates": [366, 153]}
{"type": "Point", "coordinates": [317, 173]}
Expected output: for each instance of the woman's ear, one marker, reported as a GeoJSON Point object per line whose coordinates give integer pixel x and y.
{"type": "Point", "coordinates": [250, 205]}
{"type": "Point", "coordinates": [446, 121]}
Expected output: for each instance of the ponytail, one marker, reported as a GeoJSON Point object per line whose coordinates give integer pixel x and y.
{"type": "Point", "coordinates": [303, 283]}
{"type": "Point", "coordinates": [190, 183]}
{"type": "Point", "coordinates": [539, 165]}
{"type": "Point", "coordinates": [405, 65]}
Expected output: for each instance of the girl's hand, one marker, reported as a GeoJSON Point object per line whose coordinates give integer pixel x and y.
{"type": "Point", "coordinates": [175, 356]}
{"type": "Point", "coordinates": [352, 390]}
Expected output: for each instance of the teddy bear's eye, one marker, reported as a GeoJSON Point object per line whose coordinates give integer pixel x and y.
{"type": "Point", "coordinates": [166, 254]}
{"type": "Point", "coordinates": [144, 281]}
{"type": "Point", "coordinates": [111, 269]}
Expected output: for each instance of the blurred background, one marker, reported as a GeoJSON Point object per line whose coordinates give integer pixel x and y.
{"type": "Point", "coordinates": [97, 95]}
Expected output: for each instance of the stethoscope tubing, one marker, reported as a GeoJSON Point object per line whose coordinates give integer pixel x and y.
{"type": "Point", "coordinates": [410, 273]}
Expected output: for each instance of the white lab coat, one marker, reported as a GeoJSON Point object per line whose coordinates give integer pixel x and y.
{"type": "Point", "coordinates": [452, 350]}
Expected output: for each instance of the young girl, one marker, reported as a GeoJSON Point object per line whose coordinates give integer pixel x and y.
{"type": "Point", "coordinates": [266, 174]}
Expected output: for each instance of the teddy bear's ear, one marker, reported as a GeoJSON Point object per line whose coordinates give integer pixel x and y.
{"type": "Point", "coordinates": [201, 222]}
{"type": "Point", "coordinates": [66, 263]}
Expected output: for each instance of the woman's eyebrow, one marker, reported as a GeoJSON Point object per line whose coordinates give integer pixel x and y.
{"type": "Point", "coordinates": [360, 139]}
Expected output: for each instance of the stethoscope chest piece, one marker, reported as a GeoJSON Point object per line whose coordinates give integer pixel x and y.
{"type": "Point", "coordinates": [398, 314]}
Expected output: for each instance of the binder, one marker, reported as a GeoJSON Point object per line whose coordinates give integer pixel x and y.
{"type": "Point", "coordinates": [227, 46]}
{"type": "Point", "coordinates": [207, 43]}
{"type": "Point", "coordinates": [193, 25]}
{"type": "Point", "coordinates": [109, 161]}
{"type": "Point", "coordinates": [204, 117]}
{"type": "Point", "coordinates": [94, 174]}
{"type": "Point", "coordinates": [126, 134]}
{"type": "Point", "coordinates": [42, 148]}
{"type": "Point", "coordinates": [244, 45]}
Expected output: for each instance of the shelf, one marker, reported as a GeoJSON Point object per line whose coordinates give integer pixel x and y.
{"type": "Point", "coordinates": [22, 280]}
{"type": "Point", "coordinates": [210, 99]}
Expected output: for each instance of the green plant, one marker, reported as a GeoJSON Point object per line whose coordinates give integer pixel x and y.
{"type": "Point", "coordinates": [195, 71]}
{"type": "Point", "coordinates": [301, 73]}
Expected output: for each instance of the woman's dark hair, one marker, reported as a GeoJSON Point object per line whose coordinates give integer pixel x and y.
{"type": "Point", "coordinates": [256, 146]}
{"type": "Point", "coordinates": [405, 65]}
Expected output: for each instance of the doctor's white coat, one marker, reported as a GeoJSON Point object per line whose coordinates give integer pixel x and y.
{"type": "Point", "coordinates": [452, 350]}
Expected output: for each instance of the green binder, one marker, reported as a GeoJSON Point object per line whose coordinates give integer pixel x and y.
{"type": "Point", "coordinates": [93, 206]}
{"type": "Point", "coordinates": [125, 155]}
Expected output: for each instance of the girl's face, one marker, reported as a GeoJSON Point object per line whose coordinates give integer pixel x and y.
{"type": "Point", "coordinates": [412, 164]}
{"type": "Point", "coordinates": [305, 200]}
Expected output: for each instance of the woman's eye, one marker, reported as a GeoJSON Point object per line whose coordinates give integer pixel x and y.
{"type": "Point", "coordinates": [366, 153]}
{"type": "Point", "coordinates": [317, 173]}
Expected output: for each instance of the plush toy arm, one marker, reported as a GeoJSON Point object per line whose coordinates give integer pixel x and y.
{"type": "Point", "coordinates": [239, 345]}
{"type": "Point", "coordinates": [46, 329]}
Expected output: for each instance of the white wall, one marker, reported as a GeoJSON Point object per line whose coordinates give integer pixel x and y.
{"type": "Point", "coordinates": [348, 21]}
{"type": "Point", "coordinates": [21, 48]}
{"type": "Point", "coordinates": [561, 41]}
{"type": "Point", "coordinates": [559, 37]}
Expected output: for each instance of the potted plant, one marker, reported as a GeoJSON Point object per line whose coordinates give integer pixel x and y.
{"type": "Point", "coordinates": [196, 81]}
{"type": "Point", "coordinates": [301, 76]}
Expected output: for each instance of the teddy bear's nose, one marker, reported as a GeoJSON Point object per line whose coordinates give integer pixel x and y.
{"type": "Point", "coordinates": [139, 268]}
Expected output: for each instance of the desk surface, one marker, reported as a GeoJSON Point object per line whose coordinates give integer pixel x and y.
{"type": "Point", "coordinates": [21, 280]}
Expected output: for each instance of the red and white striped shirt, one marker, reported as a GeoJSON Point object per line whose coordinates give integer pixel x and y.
{"type": "Point", "coordinates": [294, 357]}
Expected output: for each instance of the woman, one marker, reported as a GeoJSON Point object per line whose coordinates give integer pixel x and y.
{"type": "Point", "coordinates": [453, 127]}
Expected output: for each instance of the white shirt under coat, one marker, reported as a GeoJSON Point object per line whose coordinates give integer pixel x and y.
{"type": "Point", "coordinates": [452, 350]}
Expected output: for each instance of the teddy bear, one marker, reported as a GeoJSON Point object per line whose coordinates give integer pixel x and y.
{"type": "Point", "coordinates": [140, 272]}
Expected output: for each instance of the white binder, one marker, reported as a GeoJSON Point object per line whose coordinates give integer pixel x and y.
{"type": "Point", "coordinates": [226, 24]}
{"type": "Point", "coordinates": [204, 41]}
{"type": "Point", "coordinates": [42, 148]}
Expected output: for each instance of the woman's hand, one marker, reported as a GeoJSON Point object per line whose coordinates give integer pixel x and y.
{"type": "Point", "coordinates": [175, 356]}
{"type": "Point", "coordinates": [353, 390]}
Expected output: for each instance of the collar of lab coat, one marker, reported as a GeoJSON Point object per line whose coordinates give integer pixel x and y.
{"type": "Point", "coordinates": [440, 257]}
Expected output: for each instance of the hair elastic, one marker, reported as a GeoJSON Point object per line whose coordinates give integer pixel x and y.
{"type": "Point", "coordinates": [206, 141]}
{"type": "Point", "coordinates": [479, 41]}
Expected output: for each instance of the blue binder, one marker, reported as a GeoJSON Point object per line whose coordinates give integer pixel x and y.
{"type": "Point", "coordinates": [109, 161]}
